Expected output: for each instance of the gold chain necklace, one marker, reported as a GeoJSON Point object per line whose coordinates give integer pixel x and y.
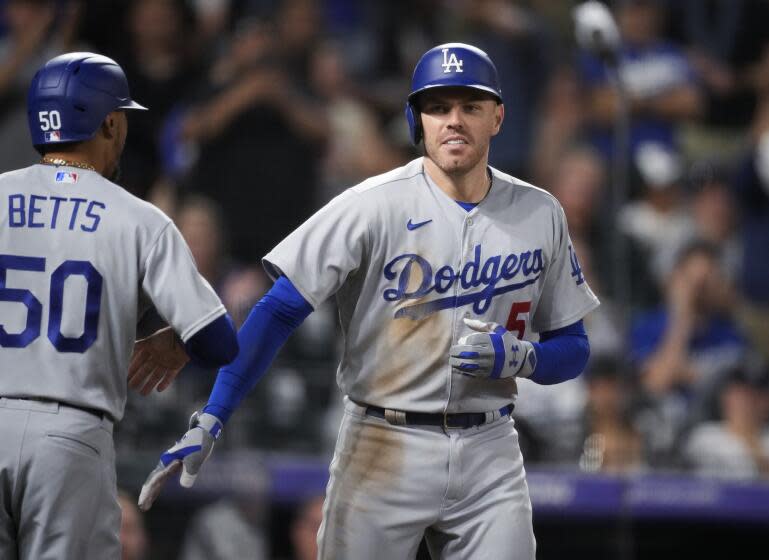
{"type": "Point", "coordinates": [60, 161]}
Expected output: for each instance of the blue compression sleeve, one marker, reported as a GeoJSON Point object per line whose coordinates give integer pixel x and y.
{"type": "Point", "coordinates": [268, 326]}
{"type": "Point", "coordinates": [214, 345]}
{"type": "Point", "coordinates": [561, 354]}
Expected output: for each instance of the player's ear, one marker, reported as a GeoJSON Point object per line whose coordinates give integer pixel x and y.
{"type": "Point", "coordinates": [109, 125]}
{"type": "Point", "coordinates": [499, 116]}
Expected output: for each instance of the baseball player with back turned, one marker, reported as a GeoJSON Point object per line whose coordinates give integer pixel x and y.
{"type": "Point", "coordinates": [80, 261]}
{"type": "Point", "coordinates": [443, 270]}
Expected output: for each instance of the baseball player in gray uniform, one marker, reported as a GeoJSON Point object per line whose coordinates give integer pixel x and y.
{"type": "Point", "coordinates": [80, 261]}
{"type": "Point", "coordinates": [453, 280]}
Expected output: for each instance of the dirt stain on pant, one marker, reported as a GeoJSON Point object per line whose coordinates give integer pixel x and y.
{"type": "Point", "coordinates": [367, 465]}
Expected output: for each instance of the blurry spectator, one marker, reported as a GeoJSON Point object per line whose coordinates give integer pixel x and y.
{"type": "Point", "coordinates": [384, 40]}
{"type": "Point", "coordinates": [658, 222]}
{"type": "Point", "coordinates": [133, 535]}
{"type": "Point", "coordinates": [36, 31]}
{"type": "Point", "coordinates": [304, 529]}
{"type": "Point", "coordinates": [560, 16]}
{"type": "Point", "coordinates": [682, 349]}
{"type": "Point", "coordinates": [260, 135]}
{"type": "Point", "coordinates": [229, 529]}
{"type": "Point", "coordinates": [356, 146]}
{"type": "Point", "coordinates": [659, 81]}
{"type": "Point", "coordinates": [298, 26]}
{"type": "Point", "coordinates": [547, 417]}
{"type": "Point", "coordinates": [240, 287]}
{"type": "Point", "coordinates": [160, 61]}
{"type": "Point", "coordinates": [715, 216]}
{"type": "Point", "coordinates": [578, 181]}
{"type": "Point", "coordinates": [213, 17]}
{"type": "Point", "coordinates": [718, 221]}
{"type": "Point", "coordinates": [737, 446]}
{"type": "Point", "coordinates": [611, 443]}
{"type": "Point", "coordinates": [723, 40]}
{"type": "Point", "coordinates": [200, 222]}
{"type": "Point", "coordinates": [694, 337]}
{"type": "Point", "coordinates": [549, 423]}
{"type": "Point", "coordinates": [562, 118]}
{"type": "Point", "coordinates": [752, 189]}
{"type": "Point", "coordinates": [234, 526]}
{"type": "Point", "coordinates": [515, 37]}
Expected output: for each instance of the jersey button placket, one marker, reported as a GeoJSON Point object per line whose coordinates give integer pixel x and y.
{"type": "Point", "coordinates": [465, 249]}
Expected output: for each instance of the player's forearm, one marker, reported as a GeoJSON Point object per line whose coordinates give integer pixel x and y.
{"type": "Point", "coordinates": [561, 355]}
{"type": "Point", "coordinates": [214, 345]}
{"type": "Point", "coordinates": [266, 329]}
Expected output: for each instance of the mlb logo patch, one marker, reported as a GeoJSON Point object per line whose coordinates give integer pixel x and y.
{"type": "Point", "coordinates": [53, 136]}
{"type": "Point", "coordinates": [66, 177]}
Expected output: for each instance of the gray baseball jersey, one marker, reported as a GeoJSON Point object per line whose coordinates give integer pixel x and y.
{"type": "Point", "coordinates": [80, 260]}
{"type": "Point", "coordinates": [407, 264]}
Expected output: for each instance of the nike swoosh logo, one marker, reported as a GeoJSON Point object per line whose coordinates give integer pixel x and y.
{"type": "Point", "coordinates": [412, 227]}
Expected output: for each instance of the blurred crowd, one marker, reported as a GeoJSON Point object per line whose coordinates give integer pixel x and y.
{"type": "Point", "coordinates": [262, 110]}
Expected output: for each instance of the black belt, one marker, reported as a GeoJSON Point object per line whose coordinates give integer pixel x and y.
{"type": "Point", "coordinates": [450, 420]}
{"type": "Point", "coordinates": [95, 411]}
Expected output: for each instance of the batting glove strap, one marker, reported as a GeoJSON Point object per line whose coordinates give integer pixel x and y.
{"type": "Point", "coordinates": [207, 422]}
{"type": "Point", "coordinates": [493, 352]}
{"type": "Point", "coordinates": [529, 360]}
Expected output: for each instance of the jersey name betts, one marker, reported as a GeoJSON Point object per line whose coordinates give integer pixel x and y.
{"type": "Point", "coordinates": [80, 261]}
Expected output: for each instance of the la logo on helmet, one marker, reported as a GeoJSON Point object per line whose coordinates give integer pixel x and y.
{"type": "Point", "coordinates": [450, 61]}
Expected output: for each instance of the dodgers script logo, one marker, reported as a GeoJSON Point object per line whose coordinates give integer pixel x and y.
{"type": "Point", "coordinates": [527, 266]}
{"type": "Point", "coordinates": [451, 61]}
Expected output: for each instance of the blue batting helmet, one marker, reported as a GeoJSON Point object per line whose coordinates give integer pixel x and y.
{"type": "Point", "coordinates": [70, 96]}
{"type": "Point", "coordinates": [450, 65]}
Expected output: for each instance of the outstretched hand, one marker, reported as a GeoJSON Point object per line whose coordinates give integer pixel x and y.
{"type": "Point", "coordinates": [156, 361]}
{"type": "Point", "coordinates": [186, 457]}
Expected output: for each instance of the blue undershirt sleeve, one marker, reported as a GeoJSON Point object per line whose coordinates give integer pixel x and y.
{"type": "Point", "coordinates": [214, 345]}
{"type": "Point", "coordinates": [561, 354]}
{"type": "Point", "coordinates": [268, 326]}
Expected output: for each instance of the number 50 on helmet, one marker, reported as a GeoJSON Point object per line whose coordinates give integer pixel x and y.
{"type": "Point", "coordinates": [70, 96]}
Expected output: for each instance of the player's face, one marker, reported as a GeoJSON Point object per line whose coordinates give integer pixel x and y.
{"type": "Point", "coordinates": [457, 125]}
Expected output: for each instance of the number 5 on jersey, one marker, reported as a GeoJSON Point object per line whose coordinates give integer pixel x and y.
{"type": "Point", "coordinates": [514, 324]}
{"type": "Point", "coordinates": [24, 297]}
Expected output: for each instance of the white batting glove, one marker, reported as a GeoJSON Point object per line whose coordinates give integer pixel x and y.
{"type": "Point", "coordinates": [492, 352]}
{"type": "Point", "coordinates": [188, 455]}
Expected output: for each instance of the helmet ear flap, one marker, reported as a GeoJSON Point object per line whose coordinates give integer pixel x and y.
{"type": "Point", "coordinates": [415, 124]}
